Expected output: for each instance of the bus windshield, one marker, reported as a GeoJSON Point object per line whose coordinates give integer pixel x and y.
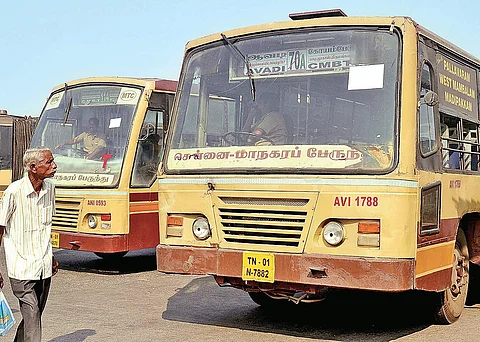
{"type": "Point", "coordinates": [87, 128]}
{"type": "Point", "coordinates": [304, 100]}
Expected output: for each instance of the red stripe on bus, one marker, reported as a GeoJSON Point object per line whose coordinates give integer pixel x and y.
{"type": "Point", "coordinates": [448, 232]}
{"type": "Point", "coordinates": [166, 85]}
{"type": "Point", "coordinates": [436, 281]}
{"type": "Point", "coordinates": [143, 196]}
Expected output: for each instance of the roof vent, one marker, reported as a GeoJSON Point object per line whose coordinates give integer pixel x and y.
{"type": "Point", "coordinates": [3, 112]}
{"type": "Point", "coordinates": [317, 14]}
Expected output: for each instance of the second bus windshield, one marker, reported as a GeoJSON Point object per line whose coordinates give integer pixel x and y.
{"type": "Point", "coordinates": [87, 128]}
{"type": "Point", "coordinates": [323, 101]}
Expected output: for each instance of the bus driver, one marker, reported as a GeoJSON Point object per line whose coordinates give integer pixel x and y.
{"type": "Point", "coordinates": [266, 123]}
{"type": "Point", "coordinates": [93, 142]}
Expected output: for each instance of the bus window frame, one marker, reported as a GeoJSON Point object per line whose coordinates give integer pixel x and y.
{"type": "Point", "coordinates": [436, 189]}
{"type": "Point", "coordinates": [432, 109]}
{"type": "Point", "coordinates": [427, 54]}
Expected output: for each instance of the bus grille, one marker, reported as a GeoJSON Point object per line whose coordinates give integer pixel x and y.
{"type": "Point", "coordinates": [66, 217]}
{"type": "Point", "coordinates": [249, 223]}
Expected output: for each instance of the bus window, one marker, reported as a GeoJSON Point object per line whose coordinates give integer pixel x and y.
{"type": "Point", "coordinates": [149, 149]}
{"type": "Point", "coordinates": [459, 150]}
{"type": "Point", "coordinates": [470, 137]}
{"type": "Point", "coordinates": [6, 147]}
{"type": "Point", "coordinates": [450, 141]}
{"type": "Point", "coordinates": [428, 142]}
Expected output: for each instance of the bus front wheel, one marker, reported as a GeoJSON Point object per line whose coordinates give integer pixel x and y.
{"type": "Point", "coordinates": [450, 302]}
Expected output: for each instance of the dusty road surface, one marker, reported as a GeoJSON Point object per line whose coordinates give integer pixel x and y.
{"type": "Point", "coordinates": [95, 300]}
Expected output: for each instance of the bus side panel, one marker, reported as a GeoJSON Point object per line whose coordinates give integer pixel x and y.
{"type": "Point", "coordinates": [433, 269]}
{"type": "Point", "coordinates": [144, 221]}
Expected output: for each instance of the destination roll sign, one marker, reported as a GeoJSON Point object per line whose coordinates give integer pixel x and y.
{"type": "Point", "coordinates": [457, 86]}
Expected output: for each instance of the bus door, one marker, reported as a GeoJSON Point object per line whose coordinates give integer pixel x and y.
{"type": "Point", "coordinates": [150, 142]}
{"type": "Point", "coordinates": [143, 197]}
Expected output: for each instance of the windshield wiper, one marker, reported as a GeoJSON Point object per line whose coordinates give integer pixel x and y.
{"type": "Point", "coordinates": [66, 106]}
{"type": "Point", "coordinates": [245, 61]}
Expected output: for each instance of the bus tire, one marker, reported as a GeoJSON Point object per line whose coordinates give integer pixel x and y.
{"type": "Point", "coordinates": [111, 256]}
{"type": "Point", "coordinates": [450, 302]}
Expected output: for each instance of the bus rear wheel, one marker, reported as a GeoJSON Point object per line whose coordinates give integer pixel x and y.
{"type": "Point", "coordinates": [450, 302]}
{"type": "Point", "coordinates": [110, 256]}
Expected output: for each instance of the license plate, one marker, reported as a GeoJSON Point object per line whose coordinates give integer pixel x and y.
{"type": "Point", "coordinates": [258, 266]}
{"type": "Point", "coordinates": [55, 240]}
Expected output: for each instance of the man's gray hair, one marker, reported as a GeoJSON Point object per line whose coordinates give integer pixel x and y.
{"type": "Point", "coordinates": [33, 155]}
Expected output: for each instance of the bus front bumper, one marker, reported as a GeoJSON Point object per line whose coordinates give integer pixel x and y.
{"type": "Point", "coordinates": [91, 242]}
{"type": "Point", "coordinates": [292, 271]}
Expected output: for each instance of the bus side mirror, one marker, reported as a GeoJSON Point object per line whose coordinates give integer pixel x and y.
{"type": "Point", "coordinates": [430, 98]}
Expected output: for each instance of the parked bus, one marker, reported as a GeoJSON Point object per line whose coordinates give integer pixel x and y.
{"type": "Point", "coordinates": [362, 173]}
{"type": "Point", "coordinates": [106, 134]}
{"type": "Point", "coordinates": [15, 135]}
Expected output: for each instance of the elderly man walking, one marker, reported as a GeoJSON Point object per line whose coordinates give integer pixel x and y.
{"type": "Point", "coordinates": [26, 212]}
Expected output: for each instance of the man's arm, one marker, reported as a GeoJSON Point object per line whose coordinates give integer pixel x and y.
{"type": "Point", "coordinates": [73, 141]}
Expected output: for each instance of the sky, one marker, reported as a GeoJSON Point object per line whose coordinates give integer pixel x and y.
{"type": "Point", "coordinates": [47, 43]}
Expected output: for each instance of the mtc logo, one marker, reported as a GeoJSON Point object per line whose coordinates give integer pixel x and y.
{"type": "Point", "coordinates": [128, 95]}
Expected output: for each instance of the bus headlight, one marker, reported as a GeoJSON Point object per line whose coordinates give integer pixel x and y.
{"type": "Point", "coordinates": [201, 228]}
{"type": "Point", "coordinates": [92, 221]}
{"type": "Point", "coordinates": [333, 233]}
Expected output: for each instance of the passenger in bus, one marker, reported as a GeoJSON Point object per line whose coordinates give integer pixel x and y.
{"type": "Point", "coordinates": [93, 142]}
{"type": "Point", "coordinates": [266, 122]}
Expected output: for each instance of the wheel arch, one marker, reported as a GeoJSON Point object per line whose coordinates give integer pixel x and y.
{"type": "Point", "coordinates": [470, 224]}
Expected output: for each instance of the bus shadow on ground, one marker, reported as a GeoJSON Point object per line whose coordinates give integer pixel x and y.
{"type": "Point", "coordinates": [132, 262]}
{"type": "Point", "coordinates": [345, 316]}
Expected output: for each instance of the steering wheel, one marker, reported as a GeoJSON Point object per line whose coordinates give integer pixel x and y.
{"type": "Point", "coordinates": [148, 129]}
{"type": "Point", "coordinates": [243, 138]}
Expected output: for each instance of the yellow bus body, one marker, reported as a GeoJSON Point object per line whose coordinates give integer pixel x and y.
{"type": "Point", "coordinates": [6, 171]}
{"type": "Point", "coordinates": [404, 252]}
{"type": "Point", "coordinates": [97, 210]}
{"type": "Point", "coordinates": [15, 134]}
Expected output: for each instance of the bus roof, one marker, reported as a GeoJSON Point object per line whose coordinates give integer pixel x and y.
{"type": "Point", "coordinates": [335, 19]}
{"type": "Point", "coordinates": [154, 83]}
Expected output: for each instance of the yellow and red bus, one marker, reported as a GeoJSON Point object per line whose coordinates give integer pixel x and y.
{"type": "Point", "coordinates": [106, 202]}
{"type": "Point", "coordinates": [6, 148]}
{"type": "Point", "coordinates": [373, 185]}
{"type": "Point", "coordinates": [15, 135]}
